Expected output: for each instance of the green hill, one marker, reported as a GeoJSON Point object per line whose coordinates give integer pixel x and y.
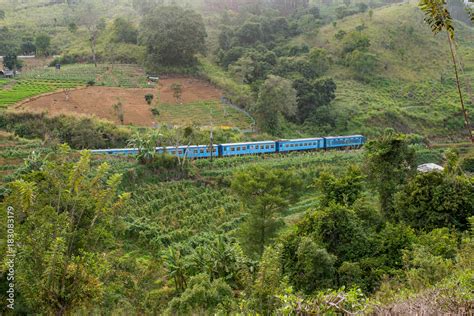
{"type": "Point", "coordinates": [413, 90]}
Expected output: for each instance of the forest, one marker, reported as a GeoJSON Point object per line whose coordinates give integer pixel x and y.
{"type": "Point", "coordinates": [325, 232]}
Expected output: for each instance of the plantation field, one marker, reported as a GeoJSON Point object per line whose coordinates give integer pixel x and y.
{"type": "Point", "coordinates": [13, 91]}
{"type": "Point", "coordinates": [127, 76]}
{"type": "Point", "coordinates": [203, 114]}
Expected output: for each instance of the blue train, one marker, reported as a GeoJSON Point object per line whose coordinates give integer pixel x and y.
{"type": "Point", "coordinates": [251, 148]}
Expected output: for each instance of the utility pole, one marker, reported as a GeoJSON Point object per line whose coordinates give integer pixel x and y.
{"type": "Point", "coordinates": [211, 136]}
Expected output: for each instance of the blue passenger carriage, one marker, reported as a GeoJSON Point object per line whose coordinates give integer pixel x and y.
{"type": "Point", "coordinates": [300, 144]}
{"type": "Point", "coordinates": [192, 151]}
{"type": "Point", "coordinates": [344, 141]}
{"type": "Point", "coordinates": [118, 151]}
{"type": "Point", "coordinates": [236, 149]}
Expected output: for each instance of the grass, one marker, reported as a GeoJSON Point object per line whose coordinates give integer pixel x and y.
{"type": "Point", "coordinates": [203, 113]}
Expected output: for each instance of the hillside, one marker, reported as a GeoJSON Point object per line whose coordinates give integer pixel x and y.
{"type": "Point", "coordinates": [413, 90]}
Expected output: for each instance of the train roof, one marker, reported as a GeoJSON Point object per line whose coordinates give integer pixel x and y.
{"type": "Point", "coordinates": [113, 149]}
{"type": "Point", "coordinates": [301, 139]}
{"type": "Point", "coordinates": [249, 143]}
{"type": "Point", "coordinates": [187, 147]}
{"type": "Point", "coordinates": [347, 136]}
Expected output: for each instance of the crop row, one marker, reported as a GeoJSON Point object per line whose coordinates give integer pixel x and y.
{"type": "Point", "coordinates": [23, 89]}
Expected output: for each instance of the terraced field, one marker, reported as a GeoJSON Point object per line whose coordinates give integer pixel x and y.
{"type": "Point", "coordinates": [44, 80]}
{"type": "Point", "coordinates": [14, 91]}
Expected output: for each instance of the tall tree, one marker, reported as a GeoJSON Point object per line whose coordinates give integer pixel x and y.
{"type": "Point", "coordinates": [439, 19]}
{"type": "Point", "coordinates": [264, 194]}
{"type": "Point", "coordinates": [277, 97]}
{"type": "Point", "coordinates": [173, 36]}
{"type": "Point", "coordinates": [389, 161]}
{"type": "Point", "coordinates": [42, 43]}
{"type": "Point", "coordinates": [87, 14]}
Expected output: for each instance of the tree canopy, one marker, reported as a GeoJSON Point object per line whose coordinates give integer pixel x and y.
{"type": "Point", "coordinates": [172, 36]}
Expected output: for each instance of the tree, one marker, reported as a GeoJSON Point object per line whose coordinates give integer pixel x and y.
{"type": "Point", "coordinates": [320, 60]}
{"type": "Point", "coordinates": [315, 266]}
{"type": "Point", "coordinates": [435, 199]}
{"type": "Point", "coordinates": [59, 267]}
{"type": "Point", "coordinates": [42, 43]}
{"type": "Point", "coordinates": [277, 97]}
{"type": "Point", "coordinates": [173, 36]}
{"type": "Point", "coordinates": [264, 194]}
{"type": "Point", "coordinates": [313, 94]}
{"type": "Point", "coordinates": [389, 161]}
{"type": "Point", "coordinates": [439, 19]}
{"type": "Point", "coordinates": [124, 31]}
{"type": "Point", "coordinates": [355, 41]}
{"type": "Point", "coordinates": [344, 189]}
{"type": "Point", "coordinates": [362, 63]}
{"type": "Point", "coordinates": [88, 15]}
{"type": "Point", "coordinates": [249, 33]}
{"type": "Point", "coordinates": [11, 62]}
{"type": "Point", "coordinates": [28, 47]}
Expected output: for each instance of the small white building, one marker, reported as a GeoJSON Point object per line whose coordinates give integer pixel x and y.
{"type": "Point", "coordinates": [429, 167]}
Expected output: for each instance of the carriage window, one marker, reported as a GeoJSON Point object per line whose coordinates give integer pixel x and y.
{"type": "Point", "coordinates": [201, 151]}
{"type": "Point", "coordinates": [232, 149]}
{"type": "Point", "coordinates": [195, 151]}
{"type": "Point", "coordinates": [261, 146]}
{"type": "Point", "coordinates": [272, 146]}
{"type": "Point", "coordinates": [244, 148]}
{"type": "Point", "coordinates": [266, 146]}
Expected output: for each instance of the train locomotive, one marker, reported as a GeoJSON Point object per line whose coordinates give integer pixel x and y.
{"type": "Point", "coordinates": [251, 148]}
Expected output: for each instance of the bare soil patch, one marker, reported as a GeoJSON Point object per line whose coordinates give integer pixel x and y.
{"type": "Point", "coordinates": [100, 101]}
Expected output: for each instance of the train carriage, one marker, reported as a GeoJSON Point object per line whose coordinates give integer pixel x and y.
{"type": "Point", "coordinates": [300, 144]}
{"type": "Point", "coordinates": [117, 151]}
{"type": "Point", "coordinates": [353, 141]}
{"type": "Point", "coordinates": [192, 151]}
{"type": "Point", "coordinates": [252, 148]}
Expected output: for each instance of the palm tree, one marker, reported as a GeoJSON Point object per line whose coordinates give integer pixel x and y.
{"type": "Point", "coordinates": [439, 19]}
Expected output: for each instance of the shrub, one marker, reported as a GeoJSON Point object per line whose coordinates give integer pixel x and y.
{"type": "Point", "coordinates": [467, 164]}
{"type": "Point", "coordinates": [79, 133]}
{"type": "Point", "coordinates": [155, 111]}
{"type": "Point", "coordinates": [149, 98]}
{"type": "Point", "coordinates": [91, 83]}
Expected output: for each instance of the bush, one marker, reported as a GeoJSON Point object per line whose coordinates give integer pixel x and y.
{"type": "Point", "coordinates": [91, 83]}
{"type": "Point", "coordinates": [155, 111]}
{"type": "Point", "coordinates": [149, 98]}
{"type": "Point", "coordinates": [467, 164]}
{"type": "Point", "coordinates": [64, 60]}
{"type": "Point", "coordinates": [79, 133]}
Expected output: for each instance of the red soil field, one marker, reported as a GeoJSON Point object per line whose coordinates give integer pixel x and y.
{"type": "Point", "coordinates": [99, 101]}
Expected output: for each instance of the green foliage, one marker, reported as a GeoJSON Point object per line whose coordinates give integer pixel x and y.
{"type": "Point", "coordinates": [389, 161]}
{"type": "Point", "coordinates": [268, 282]}
{"type": "Point", "coordinates": [173, 36]}
{"type": "Point", "coordinates": [276, 97]}
{"type": "Point", "coordinates": [79, 133]}
{"type": "Point", "coordinates": [202, 296]}
{"type": "Point", "coordinates": [264, 194]}
{"type": "Point", "coordinates": [362, 63]}
{"type": "Point", "coordinates": [149, 98]}
{"type": "Point", "coordinates": [59, 266]}
{"type": "Point", "coordinates": [344, 190]}
{"type": "Point", "coordinates": [42, 43]}
{"type": "Point", "coordinates": [314, 268]}
{"type": "Point", "coordinates": [434, 199]}
{"type": "Point", "coordinates": [124, 31]}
